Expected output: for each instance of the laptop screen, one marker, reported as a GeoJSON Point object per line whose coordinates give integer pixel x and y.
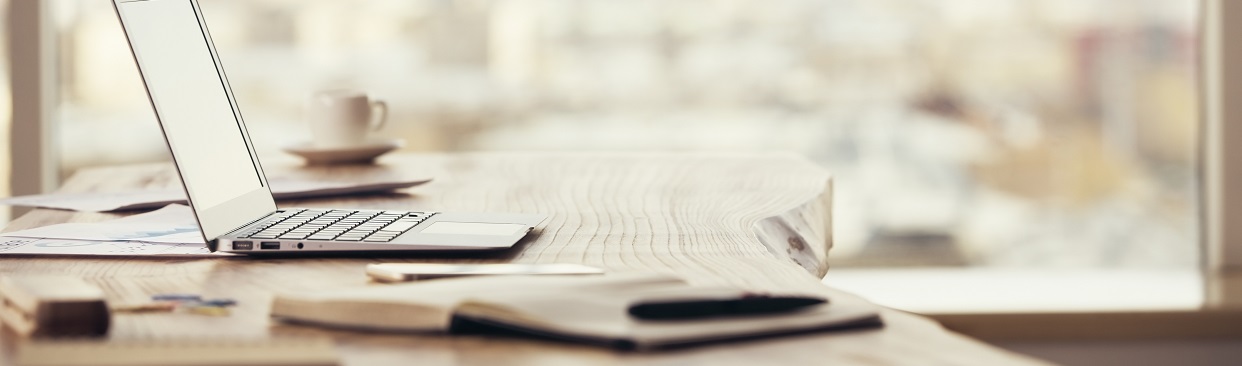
{"type": "Point", "coordinates": [197, 112]}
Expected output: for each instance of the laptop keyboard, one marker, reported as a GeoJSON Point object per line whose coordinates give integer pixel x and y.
{"type": "Point", "coordinates": [336, 225]}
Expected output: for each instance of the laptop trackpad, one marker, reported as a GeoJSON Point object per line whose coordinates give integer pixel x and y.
{"type": "Point", "coordinates": [474, 228]}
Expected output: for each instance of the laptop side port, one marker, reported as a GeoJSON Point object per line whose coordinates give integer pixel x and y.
{"type": "Point", "coordinates": [243, 245]}
{"type": "Point", "coordinates": [269, 245]}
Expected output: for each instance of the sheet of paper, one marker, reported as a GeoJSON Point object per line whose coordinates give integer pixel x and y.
{"type": "Point", "coordinates": [35, 246]}
{"type": "Point", "coordinates": [147, 199]}
{"type": "Point", "coordinates": [97, 202]}
{"type": "Point", "coordinates": [173, 224]}
{"type": "Point", "coordinates": [169, 231]}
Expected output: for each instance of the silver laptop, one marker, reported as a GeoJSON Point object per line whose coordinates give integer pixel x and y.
{"type": "Point", "coordinates": [221, 172]}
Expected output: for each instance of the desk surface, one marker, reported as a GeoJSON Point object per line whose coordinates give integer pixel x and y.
{"type": "Point", "coordinates": [749, 220]}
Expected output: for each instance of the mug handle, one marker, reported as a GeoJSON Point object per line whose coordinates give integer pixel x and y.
{"type": "Point", "coordinates": [380, 111]}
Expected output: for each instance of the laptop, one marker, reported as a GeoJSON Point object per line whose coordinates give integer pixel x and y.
{"type": "Point", "coordinates": [220, 170]}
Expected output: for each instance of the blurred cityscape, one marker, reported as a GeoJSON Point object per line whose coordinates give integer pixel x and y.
{"type": "Point", "coordinates": [1034, 133]}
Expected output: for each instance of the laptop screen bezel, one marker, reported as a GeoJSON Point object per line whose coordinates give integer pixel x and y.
{"type": "Point", "coordinates": [239, 211]}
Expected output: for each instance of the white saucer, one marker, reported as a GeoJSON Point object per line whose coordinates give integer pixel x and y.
{"type": "Point", "coordinates": [357, 154]}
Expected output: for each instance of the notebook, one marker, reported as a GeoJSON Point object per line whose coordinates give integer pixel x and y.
{"type": "Point", "coordinates": [589, 310]}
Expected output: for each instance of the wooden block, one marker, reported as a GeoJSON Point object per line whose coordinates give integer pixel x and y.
{"type": "Point", "coordinates": [40, 306]}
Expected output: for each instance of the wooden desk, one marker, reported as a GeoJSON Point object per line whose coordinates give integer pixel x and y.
{"type": "Point", "coordinates": [749, 220]}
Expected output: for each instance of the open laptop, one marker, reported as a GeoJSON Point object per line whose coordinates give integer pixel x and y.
{"type": "Point", "coordinates": [221, 173]}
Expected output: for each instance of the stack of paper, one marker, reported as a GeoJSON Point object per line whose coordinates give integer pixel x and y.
{"type": "Point", "coordinates": [148, 199]}
{"type": "Point", "coordinates": [167, 231]}
{"type": "Point", "coordinates": [170, 231]}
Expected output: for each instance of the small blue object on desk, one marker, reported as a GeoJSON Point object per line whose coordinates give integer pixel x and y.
{"type": "Point", "coordinates": [176, 297]}
{"type": "Point", "coordinates": [216, 302]}
{"type": "Point", "coordinates": [194, 300]}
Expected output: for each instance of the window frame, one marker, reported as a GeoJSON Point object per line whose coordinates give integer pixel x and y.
{"type": "Point", "coordinates": [34, 89]}
{"type": "Point", "coordinates": [1221, 161]}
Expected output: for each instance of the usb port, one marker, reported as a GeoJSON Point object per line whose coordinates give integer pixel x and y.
{"type": "Point", "coordinates": [269, 245]}
{"type": "Point", "coordinates": [243, 245]}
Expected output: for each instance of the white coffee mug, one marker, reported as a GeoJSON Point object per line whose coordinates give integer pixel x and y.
{"type": "Point", "coordinates": [344, 118]}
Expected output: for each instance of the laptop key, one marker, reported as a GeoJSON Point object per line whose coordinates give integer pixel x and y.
{"type": "Point", "coordinates": [400, 226]}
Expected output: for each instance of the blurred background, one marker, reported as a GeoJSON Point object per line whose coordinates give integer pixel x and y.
{"type": "Point", "coordinates": [981, 133]}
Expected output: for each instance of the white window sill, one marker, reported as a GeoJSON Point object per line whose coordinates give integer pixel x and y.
{"type": "Point", "coordinates": [1053, 304]}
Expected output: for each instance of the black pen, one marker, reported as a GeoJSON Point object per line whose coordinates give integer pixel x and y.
{"type": "Point", "coordinates": [750, 304]}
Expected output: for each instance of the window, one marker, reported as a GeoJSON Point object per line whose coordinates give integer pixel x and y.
{"type": "Point", "coordinates": [1012, 133]}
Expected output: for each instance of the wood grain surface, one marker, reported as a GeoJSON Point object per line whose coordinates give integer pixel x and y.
{"type": "Point", "coordinates": [752, 220]}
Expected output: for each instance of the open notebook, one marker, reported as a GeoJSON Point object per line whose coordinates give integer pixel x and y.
{"type": "Point", "coordinates": [588, 309]}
